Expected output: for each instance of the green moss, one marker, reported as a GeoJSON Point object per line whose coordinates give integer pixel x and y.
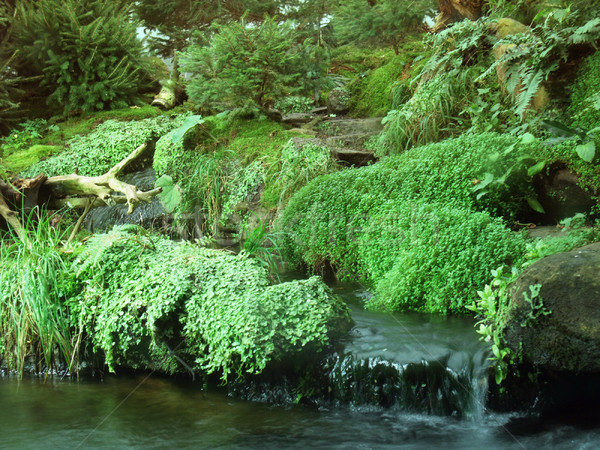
{"type": "Point", "coordinates": [350, 60]}
{"type": "Point", "coordinates": [372, 95]}
{"type": "Point", "coordinates": [585, 96]}
{"type": "Point", "coordinates": [22, 159]}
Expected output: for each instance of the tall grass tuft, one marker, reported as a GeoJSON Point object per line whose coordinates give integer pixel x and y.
{"type": "Point", "coordinates": [34, 322]}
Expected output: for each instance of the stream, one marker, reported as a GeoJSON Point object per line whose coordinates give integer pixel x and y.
{"type": "Point", "coordinates": [153, 411]}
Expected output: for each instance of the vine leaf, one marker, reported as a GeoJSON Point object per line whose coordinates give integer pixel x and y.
{"type": "Point", "coordinates": [188, 123]}
{"type": "Point", "coordinates": [535, 205]}
{"type": "Point", "coordinates": [586, 151]}
{"type": "Point", "coordinates": [170, 196]}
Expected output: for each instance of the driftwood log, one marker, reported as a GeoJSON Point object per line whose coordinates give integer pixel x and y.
{"type": "Point", "coordinates": [74, 191]}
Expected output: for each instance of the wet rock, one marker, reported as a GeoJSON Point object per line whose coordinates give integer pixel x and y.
{"type": "Point", "coordinates": [567, 339]}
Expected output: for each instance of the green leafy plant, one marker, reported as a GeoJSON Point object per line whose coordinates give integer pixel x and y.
{"type": "Point", "coordinates": [334, 220]}
{"type": "Point", "coordinates": [110, 142]}
{"type": "Point", "coordinates": [215, 308]}
{"type": "Point", "coordinates": [87, 51]}
{"type": "Point", "coordinates": [530, 58]}
{"type": "Point", "coordinates": [519, 172]}
{"type": "Point", "coordinates": [263, 245]}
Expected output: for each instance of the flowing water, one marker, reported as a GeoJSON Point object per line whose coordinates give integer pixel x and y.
{"type": "Point", "coordinates": [429, 371]}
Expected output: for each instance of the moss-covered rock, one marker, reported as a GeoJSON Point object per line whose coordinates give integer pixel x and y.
{"type": "Point", "coordinates": [558, 329]}
{"type": "Point", "coordinates": [585, 96]}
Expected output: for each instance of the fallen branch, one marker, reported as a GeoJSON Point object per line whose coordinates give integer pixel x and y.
{"type": "Point", "coordinates": [107, 188]}
{"type": "Point", "coordinates": [74, 191]}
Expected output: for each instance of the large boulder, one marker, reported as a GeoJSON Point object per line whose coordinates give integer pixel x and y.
{"type": "Point", "coordinates": [568, 338]}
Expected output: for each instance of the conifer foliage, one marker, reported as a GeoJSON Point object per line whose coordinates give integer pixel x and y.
{"type": "Point", "coordinates": [86, 50]}
{"type": "Point", "coordinates": [246, 66]}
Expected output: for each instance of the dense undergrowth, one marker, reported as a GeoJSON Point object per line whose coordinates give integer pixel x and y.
{"type": "Point", "coordinates": [223, 165]}
{"type": "Point", "coordinates": [211, 311]}
{"type": "Point", "coordinates": [463, 155]}
{"type": "Point", "coordinates": [408, 224]}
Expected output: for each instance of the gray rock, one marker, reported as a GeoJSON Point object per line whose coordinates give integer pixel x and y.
{"type": "Point", "coordinates": [296, 119]}
{"type": "Point", "coordinates": [568, 339]}
{"type": "Point", "coordinates": [338, 101]}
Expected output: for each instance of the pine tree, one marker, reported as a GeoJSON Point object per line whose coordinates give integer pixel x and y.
{"type": "Point", "coordinates": [379, 22]}
{"type": "Point", "coordinates": [247, 66]}
{"type": "Point", "coordinates": [87, 51]}
{"type": "Point", "coordinates": [8, 81]}
{"type": "Point", "coordinates": [175, 20]}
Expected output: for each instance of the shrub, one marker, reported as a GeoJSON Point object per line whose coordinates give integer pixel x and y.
{"type": "Point", "coordinates": [220, 164]}
{"type": "Point", "coordinates": [247, 66]}
{"type": "Point", "coordinates": [214, 309]}
{"type": "Point", "coordinates": [87, 51]}
{"type": "Point", "coordinates": [433, 258]}
{"type": "Point", "coordinates": [382, 22]}
{"type": "Point", "coordinates": [95, 153]}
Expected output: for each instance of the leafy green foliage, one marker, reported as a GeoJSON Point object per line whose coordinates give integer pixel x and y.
{"type": "Point", "coordinates": [530, 58]}
{"type": "Point", "coordinates": [422, 119]}
{"type": "Point", "coordinates": [34, 321]}
{"type": "Point", "coordinates": [175, 20]}
{"type": "Point", "coordinates": [215, 308]}
{"type": "Point", "coordinates": [296, 167]}
{"type": "Point", "coordinates": [380, 22]}
{"type": "Point", "coordinates": [432, 258]}
{"type": "Point", "coordinates": [585, 97]}
{"type": "Point", "coordinates": [87, 51]}
{"type": "Point", "coordinates": [221, 164]}
{"type": "Point", "coordinates": [248, 66]}
{"type": "Point", "coordinates": [95, 153]}
{"type": "Point", "coordinates": [341, 219]}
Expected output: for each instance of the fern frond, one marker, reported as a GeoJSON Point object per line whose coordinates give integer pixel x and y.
{"type": "Point", "coordinates": [530, 81]}
{"type": "Point", "coordinates": [586, 34]}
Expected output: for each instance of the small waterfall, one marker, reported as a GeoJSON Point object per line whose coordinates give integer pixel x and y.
{"type": "Point", "coordinates": [405, 362]}
{"type": "Point", "coordinates": [431, 387]}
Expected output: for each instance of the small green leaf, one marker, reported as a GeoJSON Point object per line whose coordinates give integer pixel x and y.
{"type": "Point", "coordinates": [527, 138]}
{"type": "Point", "coordinates": [188, 123]}
{"type": "Point", "coordinates": [586, 151]}
{"type": "Point", "coordinates": [170, 196]}
{"type": "Point", "coordinates": [535, 169]}
{"type": "Point", "coordinates": [535, 205]}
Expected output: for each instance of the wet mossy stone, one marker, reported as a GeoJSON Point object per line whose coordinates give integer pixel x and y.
{"type": "Point", "coordinates": [567, 339]}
